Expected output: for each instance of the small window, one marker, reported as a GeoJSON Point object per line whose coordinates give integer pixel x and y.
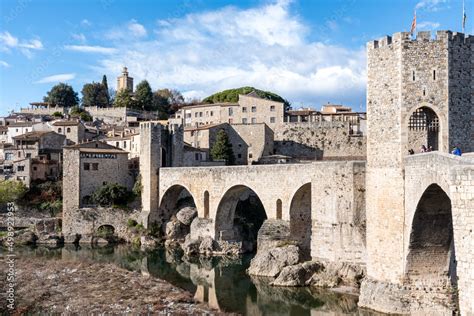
{"type": "Point", "coordinates": [254, 109]}
{"type": "Point", "coordinates": [68, 130]}
{"type": "Point", "coordinates": [196, 156]}
{"type": "Point", "coordinates": [414, 77]}
{"type": "Point", "coordinates": [28, 155]}
{"type": "Point", "coordinates": [239, 156]}
{"type": "Point", "coordinates": [254, 120]}
{"type": "Point", "coordinates": [212, 113]}
{"type": "Point", "coordinates": [272, 120]}
{"type": "Point", "coordinates": [87, 166]}
{"type": "Point", "coordinates": [434, 75]}
{"type": "Point", "coordinates": [95, 166]}
{"type": "Point", "coordinates": [244, 110]}
{"type": "Point", "coordinates": [34, 168]}
{"type": "Point", "coordinates": [244, 121]}
{"type": "Point", "coordinates": [231, 111]}
{"type": "Point", "coordinates": [117, 144]}
{"type": "Point", "coordinates": [8, 156]}
{"type": "Point", "coordinates": [60, 130]}
{"type": "Point", "coordinates": [19, 154]}
{"type": "Point", "coordinates": [272, 108]}
{"type": "Point", "coordinates": [124, 144]}
{"type": "Point", "coordinates": [21, 168]}
{"type": "Point", "coordinates": [250, 156]}
{"type": "Point", "coordinates": [17, 130]}
{"type": "Point", "coordinates": [200, 114]}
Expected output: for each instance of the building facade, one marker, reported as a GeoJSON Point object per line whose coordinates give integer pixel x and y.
{"type": "Point", "coordinates": [124, 81]}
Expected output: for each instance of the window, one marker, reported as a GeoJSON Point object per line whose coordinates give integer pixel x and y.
{"type": "Point", "coordinates": [239, 156]}
{"type": "Point", "coordinates": [244, 121]}
{"type": "Point", "coordinates": [68, 130]}
{"type": "Point", "coordinates": [413, 75]}
{"type": "Point", "coordinates": [272, 108]}
{"type": "Point", "coordinates": [254, 109]}
{"type": "Point", "coordinates": [28, 155]}
{"type": "Point", "coordinates": [124, 144]}
{"type": "Point", "coordinates": [272, 120]}
{"type": "Point", "coordinates": [200, 114]}
{"type": "Point", "coordinates": [196, 114]}
{"type": "Point", "coordinates": [231, 111]}
{"type": "Point", "coordinates": [87, 166]}
{"type": "Point", "coordinates": [244, 110]}
{"type": "Point", "coordinates": [250, 156]}
{"type": "Point", "coordinates": [196, 156]}
{"type": "Point", "coordinates": [17, 130]}
{"type": "Point", "coordinates": [117, 144]}
{"type": "Point", "coordinates": [19, 154]}
{"type": "Point", "coordinates": [20, 168]}
{"type": "Point", "coordinates": [34, 168]}
{"type": "Point", "coordinates": [95, 166]}
{"type": "Point", "coordinates": [434, 74]}
{"type": "Point", "coordinates": [212, 113]}
{"type": "Point", "coordinates": [254, 120]}
{"type": "Point", "coordinates": [60, 130]}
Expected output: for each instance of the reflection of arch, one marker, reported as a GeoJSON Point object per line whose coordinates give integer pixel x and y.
{"type": "Point", "coordinates": [432, 236]}
{"type": "Point", "coordinates": [105, 231]}
{"type": "Point", "coordinates": [278, 209]}
{"type": "Point", "coordinates": [423, 129]}
{"type": "Point", "coordinates": [175, 197]}
{"type": "Point", "coordinates": [240, 215]}
{"type": "Point", "coordinates": [300, 218]}
{"type": "Point", "coordinates": [206, 204]}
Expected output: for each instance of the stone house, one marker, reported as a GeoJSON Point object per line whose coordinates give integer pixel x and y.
{"type": "Point", "coordinates": [3, 134]}
{"type": "Point", "coordinates": [249, 142]}
{"type": "Point", "coordinates": [130, 143]}
{"type": "Point", "coordinates": [74, 130]}
{"type": "Point", "coordinates": [250, 109]}
{"type": "Point", "coordinates": [18, 128]}
{"type": "Point", "coordinates": [92, 165]}
{"type": "Point", "coordinates": [194, 157]}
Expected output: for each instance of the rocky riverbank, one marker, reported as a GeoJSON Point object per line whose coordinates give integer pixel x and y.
{"type": "Point", "coordinates": [70, 287]}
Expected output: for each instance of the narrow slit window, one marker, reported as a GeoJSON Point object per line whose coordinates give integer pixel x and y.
{"type": "Point", "coordinates": [434, 74]}
{"type": "Point", "coordinates": [414, 75]}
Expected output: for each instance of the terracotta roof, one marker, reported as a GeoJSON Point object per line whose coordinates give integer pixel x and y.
{"type": "Point", "coordinates": [66, 123]}
{"type": "Point", "coordinates": [114, 150]}
{"type": "Point", "coordinates": [33, 135]}
{"type": "Point", "coordinates": [20, 124]}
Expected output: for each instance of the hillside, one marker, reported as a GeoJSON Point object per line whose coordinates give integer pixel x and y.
{"type": "Point", "coordinates": [232, 95]}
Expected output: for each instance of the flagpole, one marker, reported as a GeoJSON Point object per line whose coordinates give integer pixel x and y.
{"type": "Point", "coordinates": [463, 16]}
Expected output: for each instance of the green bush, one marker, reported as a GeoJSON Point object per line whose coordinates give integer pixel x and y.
{"type": "Point", "coordinates": [131, 223]}
{"type": "Point", "coordinates": [54, 207]}
{"type": "Point", "coordinates": [112, 194]}
{"type": "Point", "coordinates": [137, 187]}
{"type": "Point", "coordinates": [11, 191]}
{"type": "Point", "coordinates": [57, 114]}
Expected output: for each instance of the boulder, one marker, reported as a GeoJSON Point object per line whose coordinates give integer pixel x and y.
{"type": "Point", "coordinates": [50, 239]}
{"type": "Point", "coordinates": [191, 246]}
{"type": "Point", "coordinates": [201, 227]}
{"type": "Point", "coordinates": [186, 215]}
{"type": "Point", "coordinates": [335, 274]}
{"type": "Point", "coordinates": [273, 233]}
{"type": "Point", "coordinates": [148, 242]}
{"type": "Point", "coordinates": [297, 275]}
{"type": "Point", "coordinates": [208, 246]}
{"type": "Point", "coordinates": [270, 262]}
{"type": "Point", "coordinates": [25, 237]}
{"type": "Point", "coordinates": [176, 230]}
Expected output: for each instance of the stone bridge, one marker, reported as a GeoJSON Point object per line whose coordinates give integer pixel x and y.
{"type": "Point", "coordinates": [323, 201]}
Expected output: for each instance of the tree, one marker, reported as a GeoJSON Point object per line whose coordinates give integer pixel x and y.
{"type": "Point", "coordinates": [222, 148]}
{"type": "Point", "coordinates": [62, 95]}
{"type": "Point", "coordinates": [124, 99]}
{"type": "Point", "coordinates": [144, 96]}
{"type": "Point", "coordinates": [81, 113]}
{"type": "Point", "coordinates": [11, 191]}
{"type": "Point", "coordinates": [166, 102]}
{"type": "Point", "coordinates": [95, 94]}
{"type": "Point", "coordinates": [111, 194]}
{"type": "Point", "coordinates": [106, 88]}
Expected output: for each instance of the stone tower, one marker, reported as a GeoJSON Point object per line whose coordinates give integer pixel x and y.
{"type": "Point", "coordinates": [418, 93]}
{"type": "Point", "coordinates": [124, 81]}
{"type": "Point", "coordinates": [150, 162]}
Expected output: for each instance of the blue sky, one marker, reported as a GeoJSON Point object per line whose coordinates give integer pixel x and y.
{"type": "Point", "coordinates": [309, 51]}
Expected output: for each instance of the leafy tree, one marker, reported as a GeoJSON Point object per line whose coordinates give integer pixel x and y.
{"type": "Point", "coordinates": [62, 95]}
{"type": "Point", "coordinates": [222, 148]}
{"type": "Point", "coordinates": [144, 96]}
{"type": "Point", "coordinates": [57, 114]}
{"type": "Point", "coordinates": [106, 88]}
{"type": "Point", "coordinates": [95, 94]}
{"type": "Point", "coordinates": [111, 194]}
{"type": "Point", "coordinates": [124, 99]}
{"type": "Point", "coordinates": [81, 113]}
{"type": "Point", "coordinates": [166, 102]}
{"type": "Point", "coordinates": [232, 95]}
{"type": "Point", "coordinates": [11, 191]}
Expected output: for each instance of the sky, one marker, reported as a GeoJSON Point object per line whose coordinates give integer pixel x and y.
{"type": "Point", "coordinates": [310, 52]}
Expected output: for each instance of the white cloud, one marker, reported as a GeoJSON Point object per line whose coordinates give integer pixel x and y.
{"type": "Point", "coordinates": [4, 64]}
{"type": "Point", "coordinates": [9, 42]}
{"type": "Point", "coordinates": [431, 5]}
{"type": "Point", "coordinates": [86, 22]}
{"type": "Point", "coordinates": [91, 49]}
{"type": "Point", "coordinates": [427, 25]}
{"type": "Point", "coordinates": [130, 31]}
{"type": "Point", "coordinates": [265, 47]}
{"type": "Point", "coordinates": [79, 37]}
{"type": "Point", "coordinates": [57, 78]}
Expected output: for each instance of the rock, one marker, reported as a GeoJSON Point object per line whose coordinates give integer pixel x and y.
{"type": "Point", "coordinates": [100, 241]}
{"type": "Point", "coordinates": [207, 246]}
{"type": "Point", "coordinates": [25, 237]}
{"type": "Point", "coordinates": [297, 275]}
{"type": "Point", "coordinates": [148, 242]}
{"type": "Point", "coordinates": [191, 246]}
{"type": "Point", "coordinates": [51, 239]}
{"type": "Point", "coordinates": [229, 248]}
{"type": "Point", "coordinates": [186, 215]}
{"type": "Point", "coordinates": [273, 233]}
{"type": "Point", "coordinates": [335, 274]}
{"type": "Point", "coordinates": [270, 262]}
{"type": "Point", "coordinates": [201, 227]}
{"type": "Point", "coordinates": [176, 230]}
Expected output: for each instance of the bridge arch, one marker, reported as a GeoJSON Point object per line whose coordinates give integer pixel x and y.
{"type": "Point", "coordinates": [300, 218]}
{"type": "Point", "coordinates": [432, 235]}
{"type": "Point", "coordinates": [175, 197]}
{"type": "Point", "coordinates": [239, 216]}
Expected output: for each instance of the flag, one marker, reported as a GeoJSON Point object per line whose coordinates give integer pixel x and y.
{"type": "Point", "coordinates": [464, 17]}
{"type": "Point", "coordinates": [413, 25]}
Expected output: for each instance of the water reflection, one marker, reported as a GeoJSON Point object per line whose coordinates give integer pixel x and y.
{"type": "Point", "coordinates": [220, 282]}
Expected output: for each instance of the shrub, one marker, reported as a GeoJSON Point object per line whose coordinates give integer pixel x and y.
{"type": "Point", "coordinates": [112, 194]}
{"type": "Point", "coordinates": [131, 223]}
{"type": "Point", "coordinates": [11, 191]}
{"type": "Point", "coordinates": [137, 187]}
{"type": "Point", "coordinates": [57, 114]}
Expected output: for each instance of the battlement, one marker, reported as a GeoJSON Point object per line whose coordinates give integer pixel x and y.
{"type": "Point", "coordinates": [151, 125]}
{"type": "Point", "coordinates": [421, 37]}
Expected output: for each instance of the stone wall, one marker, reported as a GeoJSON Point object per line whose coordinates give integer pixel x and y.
{"type": "Point", "coordinates": [318, 140]}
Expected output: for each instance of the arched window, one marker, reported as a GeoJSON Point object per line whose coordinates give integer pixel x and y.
{"type": "Point", "coordinates": [60, 130]}
{"type": "Point", "coordinates": [68, 130]}
{"type": "Point", "coordinates": [278, 210]}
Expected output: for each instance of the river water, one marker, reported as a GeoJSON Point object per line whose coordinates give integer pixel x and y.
{"type": "Point", "coordinates": [220, 282]}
